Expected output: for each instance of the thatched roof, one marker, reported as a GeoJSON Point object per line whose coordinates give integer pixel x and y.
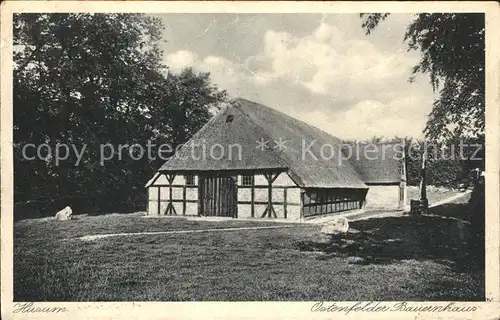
{"type": "Point", "coordinates": [240, 132]}
{"type": "Point", "coordinates": [378, 163]}
{"type": "Point", "coordinates": [252, 122]}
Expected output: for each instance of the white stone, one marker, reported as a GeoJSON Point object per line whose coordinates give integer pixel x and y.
{"type": "Point", "coordinates": [336, 226]}
{"type": "Point", "coordinates": [64, 214]}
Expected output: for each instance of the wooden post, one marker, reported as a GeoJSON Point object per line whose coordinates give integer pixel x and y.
{"type": "Point", "coordinates": [170, 206]}
{"type": "Point", "coordinates": [270, 209]}
{"type": "Point", "coordinates": [302, 204]}
{"type": "Point", "coordinates": [423, 190]}
{"type": "Point", "coordinates": [252, 197]}
{"type": "Point", "coordinates": [184, 200]}
{"type": "Point", "coordinates": [234, 182]}
{"type": "Point", "coordinates": [270, 202]}
{"type": "Point", "coordinates": [218, 188]}
{"type": "Point", "coordinates": [284, 202]}
{"type": "Point", "coordinates": [316, 196]}
{"type": "Point", "coordinates": [158, 200]}
{"type": "Point", "coordinates": [269, 196]}
{"type": "Point", "coordinates": [200, 196]}
{"type": "Point", "coordinates": [402, 186]}
{"type": "Point", "coordinates": [213, 196]}
{"type": "Point", "coordinates": [321, 200]}
{"type": "Point", "coordinates": [170, 193]}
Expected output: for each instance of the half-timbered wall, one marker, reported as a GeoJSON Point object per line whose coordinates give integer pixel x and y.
{"type": "Point", "coordinates": [288, 200]}
{"type": "Point", "coordinates": [317, 202]}
{"type": "Point", "coordinates": [184, 197]}
{"type": "Point", "coordinates": [253, 199]}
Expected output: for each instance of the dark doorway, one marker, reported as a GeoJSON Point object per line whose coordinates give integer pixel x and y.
{"type": "Point", "coordinates": [219, 196]}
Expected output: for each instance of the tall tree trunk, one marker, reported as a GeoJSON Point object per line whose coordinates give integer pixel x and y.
{"type": "Point", "coordinates": [423, 185]}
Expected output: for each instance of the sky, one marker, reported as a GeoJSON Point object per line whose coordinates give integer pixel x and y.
{"type": "Point", "coordinates": [320, 68]}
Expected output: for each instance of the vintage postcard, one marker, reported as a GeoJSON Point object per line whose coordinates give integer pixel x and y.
{"type": "Point", "coordinates": [250, 160]}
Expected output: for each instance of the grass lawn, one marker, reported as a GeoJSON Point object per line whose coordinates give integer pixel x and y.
{"type": "Point", "coordinates": [396, 258]}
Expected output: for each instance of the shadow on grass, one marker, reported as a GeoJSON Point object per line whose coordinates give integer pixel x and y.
{"type": "Point", "coordinates": [453, 210]}
{"type": "Point", "coordinates": [393, 239]}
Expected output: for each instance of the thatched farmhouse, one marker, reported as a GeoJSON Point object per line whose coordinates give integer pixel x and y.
{"type": "Point", "coordinates": [253, 161]}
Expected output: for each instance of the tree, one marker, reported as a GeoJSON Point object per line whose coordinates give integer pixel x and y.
{"type": "Point", "coordinates": [443, 163]}
{"type": "Point", "coordinates": [92, 79]}
{"type": "Point", "coordinates": [452, 47]}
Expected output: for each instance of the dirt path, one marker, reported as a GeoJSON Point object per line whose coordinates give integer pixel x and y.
{"type": "Point", "coordinates": [101, 236]}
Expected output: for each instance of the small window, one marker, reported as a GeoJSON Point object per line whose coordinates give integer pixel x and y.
{"type": "Point", "coordinates": [247, 180]}
{"type": "Point", "coordinates": [189, 179]}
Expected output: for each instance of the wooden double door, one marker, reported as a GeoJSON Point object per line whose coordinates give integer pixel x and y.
{"type": "Point", "coordinates": [219, 196]}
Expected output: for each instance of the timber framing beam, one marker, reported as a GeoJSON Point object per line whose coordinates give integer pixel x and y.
{"type": "Point", "coordinates": [269, 212]}
{"type": "Point", "coordinates": [201, 195]}
{"type": "Point", "coordinates": [170, 206]}
{"type": "Point", "coordinates": [152, 183]}
{"type": "Point", "coordinates": [252, 198]}
{"type": "Point", "coordinates": [158, 199]}
{"type": "Point", "coordinates": [226, 172]}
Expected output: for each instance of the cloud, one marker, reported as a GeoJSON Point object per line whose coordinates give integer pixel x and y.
{"type": "Point", "coordinates": [338, 80]}
{"type": "Point", "coordinates": [369, 118]}
{"type": "Point", "coordinates": [181, 59]}
{"type": "Point", "coordinates": [326, 61]}
{"type": "Point", "coordinates": [224, 73]}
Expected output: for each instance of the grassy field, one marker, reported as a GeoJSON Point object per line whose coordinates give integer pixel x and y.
{"type": "Point", "coordinates": [397, 258]}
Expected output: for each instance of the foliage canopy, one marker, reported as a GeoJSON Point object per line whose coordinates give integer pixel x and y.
{"type": "Point", "coordinates": [452, 54]}
{"type": "Point", "coordinates": [92, 79]}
